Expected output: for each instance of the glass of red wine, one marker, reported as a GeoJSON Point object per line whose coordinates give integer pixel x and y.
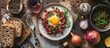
{"type": "Point", "coordinates": [35, 6]}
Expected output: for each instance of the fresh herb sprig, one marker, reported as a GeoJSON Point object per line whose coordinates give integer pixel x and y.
{"type": "Point", "coordinates": [101, 19]}
{"type": "Point", "coordinates": [66, 14]}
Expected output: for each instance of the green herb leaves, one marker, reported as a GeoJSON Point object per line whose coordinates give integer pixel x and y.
{"type": "Point", "coordinates": [101, 18]}
{"type": "Point", "coordinates": [66, 14]}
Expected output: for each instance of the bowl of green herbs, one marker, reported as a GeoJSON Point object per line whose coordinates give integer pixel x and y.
{"type": "Point", "coordinates": [100, 18]}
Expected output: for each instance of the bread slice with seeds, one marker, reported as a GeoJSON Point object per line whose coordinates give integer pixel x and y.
{"type": "Point", "coordinates": [7, 35]}
{"type": "Point", "coordinates": [25, 34]}
{"type": "Point", "coordinates": [18, 25]}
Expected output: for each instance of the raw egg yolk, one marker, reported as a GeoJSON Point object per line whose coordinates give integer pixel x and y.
{"type": "Point", "coordinates": [54, 20]}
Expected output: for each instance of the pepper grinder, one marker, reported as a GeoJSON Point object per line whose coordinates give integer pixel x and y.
{"type": "Point", "coordinates": [85, 8]}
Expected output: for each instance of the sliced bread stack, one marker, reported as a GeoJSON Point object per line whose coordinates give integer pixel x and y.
{"type": "Point", "coordinates": [17, 23]}
{"type": "Point", "coordinates": [13, 31]}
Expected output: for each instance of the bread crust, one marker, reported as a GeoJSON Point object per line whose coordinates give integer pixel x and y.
{"type": "Point", "coordinates": [25, 33]}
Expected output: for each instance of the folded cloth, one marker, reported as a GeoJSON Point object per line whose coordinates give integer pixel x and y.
{"type": "Point", "coordinates": [45, 43]}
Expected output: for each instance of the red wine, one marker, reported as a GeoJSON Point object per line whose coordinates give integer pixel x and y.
{"type": "Point", "coordinates": [36, 9]}
{"type": "Point", "coordinates": [34, 6]}
{"type": "Point", "coordinates": [33, 2]}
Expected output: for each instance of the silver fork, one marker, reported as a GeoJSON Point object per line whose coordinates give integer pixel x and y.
{"type": "Point", "coordinates": [32, 27]}
{"type": "Point", "coordinates": [30, 24]}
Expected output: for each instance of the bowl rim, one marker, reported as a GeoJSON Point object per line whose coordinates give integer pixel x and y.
{"type": "Point", "coordinates": [21, 7]}
{"type": "Point", "coordinates": [95, 7]}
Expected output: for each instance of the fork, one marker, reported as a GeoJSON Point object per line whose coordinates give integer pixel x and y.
{"type": "Point", "coordinates": [30, 24]}
{"type": "Point", "coordinates": [32, 27]}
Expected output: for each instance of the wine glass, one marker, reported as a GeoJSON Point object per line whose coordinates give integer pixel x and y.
{"type": "Point", "coordinates": [35, 6]}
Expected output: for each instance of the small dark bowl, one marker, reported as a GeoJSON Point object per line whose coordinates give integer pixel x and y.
{"type": "Point", "coordinates": [96, 9]}
{"type": "Point", "coordinates": [10, 10]}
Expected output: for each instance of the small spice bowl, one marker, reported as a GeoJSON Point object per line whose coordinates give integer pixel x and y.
{"type": "Point", "coordinates": [15, 8]}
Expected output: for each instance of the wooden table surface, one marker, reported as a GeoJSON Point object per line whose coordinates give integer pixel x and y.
{"type": "Point", "coordinates": [76, 28]}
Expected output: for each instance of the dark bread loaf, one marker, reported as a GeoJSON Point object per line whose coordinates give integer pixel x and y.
{"type": "Point", "coordinates": [7, 35]}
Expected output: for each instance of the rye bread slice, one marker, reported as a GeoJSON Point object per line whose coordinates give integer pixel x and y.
{"type": "Point", "coordinates": [7, 35]}
{"type": "Point", "coordinates": [18, 26]}
{"type": "Point", "coordinates": [25, 34]}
